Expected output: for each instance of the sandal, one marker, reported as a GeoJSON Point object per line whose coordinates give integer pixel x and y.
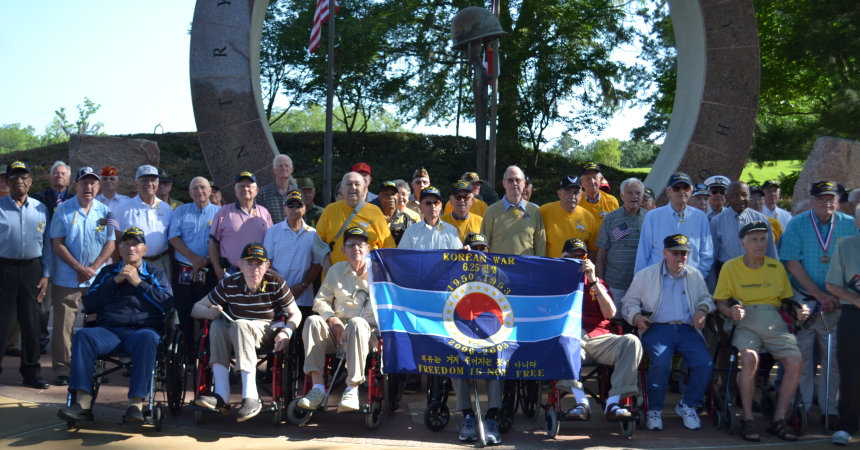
{"type": "Point", "coordinates": [780, 430]}
{"type": "Point", "coordinates": [748, 431]}
{"type": "Point", "coordinates": [580, 412]}
{"type": "Point", "coordinates": [616, 412]}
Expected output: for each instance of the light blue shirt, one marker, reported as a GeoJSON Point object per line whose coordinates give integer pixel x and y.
{"type": "Point", "coordinates": [24, 231]}
{"type": "Point", "coordinates": [664, 221]}
{"type": "Point", "coordinates": [192, 225]}
{"type": "Point", "coordinates": [725, 227]}
{"type": "Point", "coordinates": [800, 243]}
{"type": "Point", "coordinates": [507, 204]}
{"type": "Point", "coordinates": [674, 302]}
{"type": "Point", "coordinates": [85, 236]}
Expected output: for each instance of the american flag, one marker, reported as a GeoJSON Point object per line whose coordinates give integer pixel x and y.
{"type": "Point", "coordinates": [320, 16]}
{"type": "Point", "coordinates": [620, 231]}
{"type": "Point", "coordinates": [111, 222]}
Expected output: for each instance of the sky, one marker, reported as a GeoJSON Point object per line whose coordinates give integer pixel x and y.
{"type": "Point", "coordinates": [132, 59]}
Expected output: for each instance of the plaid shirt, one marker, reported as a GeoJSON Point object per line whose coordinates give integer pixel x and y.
{"type": "Point", "coordinates": [620, 254]}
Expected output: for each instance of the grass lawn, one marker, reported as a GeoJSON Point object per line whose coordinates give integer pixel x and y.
{"type": "Point", "coordinates": [771, 170]}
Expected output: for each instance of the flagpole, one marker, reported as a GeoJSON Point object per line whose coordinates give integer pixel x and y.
{"type": "Point", "coordinates": [490, 178]}
{"type": "Point", "coordinates": [329, 138]}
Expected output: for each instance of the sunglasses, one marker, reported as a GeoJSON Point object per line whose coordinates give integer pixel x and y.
{"type": "Point", "coordinates": [294, 205]}
{"type": "Point", "coordinates": [681, 187]}
{"type": "Point", "coordinates": [432, 203]}
{"type": "Point", "coordinates": [718, 191]}
{"type": "Point", "coordinates": [462, 197]}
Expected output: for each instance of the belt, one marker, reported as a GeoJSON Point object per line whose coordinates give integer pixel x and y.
{"type": "Point", "coordinates": [674, 322]}
{"type": "Point", "coordinates": [17, 262]}
{"type": "Point", "coordinates": [156, 257]}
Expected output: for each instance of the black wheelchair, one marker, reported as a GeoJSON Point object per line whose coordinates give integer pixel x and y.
{"type": "Point", "coordinates": [169, 375]}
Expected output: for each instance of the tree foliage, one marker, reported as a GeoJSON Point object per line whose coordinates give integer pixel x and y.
{"type": "Point", "coordinates": [312, 118]}
{"type": "Point", "coordinates": [15, 138]}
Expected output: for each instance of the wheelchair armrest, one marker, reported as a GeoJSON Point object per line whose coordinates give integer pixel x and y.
{"type": "Point", "coordinates": [789, 304]}
{"type": "Point", "coordinates": [711, 324]}
{"type": "Point", "coordinates": [646, 313]}
{"type": "Point", "coordinates": [734, 301]}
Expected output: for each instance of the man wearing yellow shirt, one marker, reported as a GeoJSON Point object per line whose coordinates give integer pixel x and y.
{"type": "Point", "coordinates": [473, 183]}
{"type": "Point", "coordinates": [369, 217]}
{"type": "Point", "coordinates": [596, 202]}
{"type": "Point", "coordinates": [760, 283]}
{"type": "Point", "coordinates": [563, 220]}
{"type": "Point", "coordinates": [462, 217]}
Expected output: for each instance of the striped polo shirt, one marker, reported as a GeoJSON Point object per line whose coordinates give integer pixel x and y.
{"type": "Point", "coordinates": [270, 300]}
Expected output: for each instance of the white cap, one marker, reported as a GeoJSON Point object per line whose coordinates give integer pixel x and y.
{"type": "Point", "coordinates": [145, 170]}
{"type": "Point", "coordinates": [718, 180]}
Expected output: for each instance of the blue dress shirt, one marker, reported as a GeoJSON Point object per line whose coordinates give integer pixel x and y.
{"type": "Point", "coordinates": [85, 235]}
{"type": "Point", "coordinates": [664, 221]}
{"type": "Point", "coordinates": [24, 231]}
{"type": "Point", "coordinates": [192, 225]}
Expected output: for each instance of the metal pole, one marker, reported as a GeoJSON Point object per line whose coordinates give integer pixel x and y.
{"type": "Point", "coordinates": [329, 138]}
{"type": "Point", "coordinates": [480, 84]}
{"type": "Point", "coordinates": [827, 377]}
{"type": "Point", "coordinates": [494, 106]}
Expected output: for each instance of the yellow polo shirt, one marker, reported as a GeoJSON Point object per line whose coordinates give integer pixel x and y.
{"type": "Point", "coordinates": [561, 225]}
{"type": "Point", "coordinates": [472, 224]}
{"type": "Point", "coordinates": [370, 218]}
{"type": "Point", "coordinates": [605, 205]}
{"type": "Point", "coordinates": [478, 207]}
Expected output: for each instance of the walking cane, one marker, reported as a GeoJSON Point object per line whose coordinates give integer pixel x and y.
{"type": "Point", "coordinates": [827, 380]}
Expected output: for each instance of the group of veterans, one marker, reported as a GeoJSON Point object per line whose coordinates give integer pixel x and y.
{"type": "Point", "coordinates": [274, 266]}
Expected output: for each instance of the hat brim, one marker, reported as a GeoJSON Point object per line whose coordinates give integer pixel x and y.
{"type": "Point", "coordinates": [137, 238]}
{"type": "Point", "coordinates": [685, 248]}
{"type": "Point", "coordinates": [570, 185]}
{"type": "Point", "coordinates": [245, 258]}
{"type": "Point", "coordinates": [834, 193]}
{"type": "Point", "coordinates": [89, 175]}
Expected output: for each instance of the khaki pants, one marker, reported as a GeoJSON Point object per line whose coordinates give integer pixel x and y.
{"type": "Point", "coordinates": [241, 339]}
{"type": "Point", "coordinates": [318, 342]}
{"type": "Point", "coordinates": [66, 304]}
{"type": "Point", "coordinates": [624, 352]}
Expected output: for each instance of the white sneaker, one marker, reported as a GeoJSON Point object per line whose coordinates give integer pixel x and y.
{"type": "Point", "coordinates": [312, 400]}
{"type": "Point", "coordinates": [840, 438]}
{"type": "Point", "coordinates": [688, 414]}
{"type": "Point", "coordinates": [349, 401]}
{"type": "Point", "coordinates": [654, 420]}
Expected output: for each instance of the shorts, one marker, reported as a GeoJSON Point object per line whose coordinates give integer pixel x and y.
{"type": "Point", "coordinates": [763, 328]}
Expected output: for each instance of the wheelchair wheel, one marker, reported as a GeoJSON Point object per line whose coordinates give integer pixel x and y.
{"type": "Point", "coordinates": [730, 420]}
{"type": "Point", "coordinates": [529, 399]}
{"type": "Point", "coordinates": [768, 404]}
{"type": "Point", "coordinates": [71, 425]}
{"type": "Point", "coordinates": [800, 420]}
{"type": "Point", "coordinates": [177, 376]}
{"type": "Point", "coordinates": [551, 421]}
{"type": "Point", "coordinates": [509, 395]}
{"type": "Point", "coordinates": [629, 426]}
{"type": "Point", "coordinates": [436, 416]}
{"type": "Point", "coordinates": [393, 392]}
{"type": "Point", "coordinates": [506, 417]}
{"type": "Point", "coordinates": [295, 415]}
{"type": "Point", "coordinates": [198, 417]}
{"type": "Point", "coordinates": [158, 416]}
{"type": "Point", "coordinates": [372, 418]}
{"type": "Point", "coordinates": [276, 413]}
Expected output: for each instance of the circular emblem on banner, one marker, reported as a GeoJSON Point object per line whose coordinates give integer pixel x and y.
{"type": "Point", "coordinates": [478, 315]}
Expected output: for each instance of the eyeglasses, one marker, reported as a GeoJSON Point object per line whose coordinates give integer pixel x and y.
{"type": "Point", "coordinates": [717, 191]}
{"type": "Point", "coordinates": [756, 199]}
{"type": "Point", "coordinates": [681, 187]}
{"type": "Point", "coordinates": [515, 180]}
{"type": "Point", "coordinates": [678, 253]}
{"type": "Point", "coordinates": [20, 176]}
{"type": "Point", "coordinates": [826, 199]}
{"type": "Point", "coordinates": [354, 244]}
{"type": "Point", "coordinates": [294, 205]}
{"type": "Point", "coordinates": [432, 203]}
{"type": "Point", "coordinates": [462, 197]}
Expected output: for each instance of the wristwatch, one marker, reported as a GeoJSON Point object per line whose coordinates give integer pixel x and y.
{"type": "Point", "coordinates": [304, 284]}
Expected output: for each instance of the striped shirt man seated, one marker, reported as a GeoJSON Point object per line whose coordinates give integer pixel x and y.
{"type": "Point", "coordinates": [244, 310]}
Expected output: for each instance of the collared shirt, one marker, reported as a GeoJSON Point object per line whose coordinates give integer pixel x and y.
{"type": "Point", "coordinates": [84, 235]}
{"type": "Point", "coordinates": [153, 220]}
{"type": "Point", "coordinates": [514, 229]}
{"type": "Point", "coordinates": [844, 270]}
{"type": "Point", "coordinates": [470, 224]}
{"type": "Point", "coordinates": [620, 254]}
{"type": "Point", "coordinates": [507, 204]}
{"type": "Point", "coordinates": [800, 243]}
{"type": "Point", "coordinates": [270, 197]}
{"type": "Point", "coordinates": [233, 229]}
{"type": "Point", "coordinates": [422, 236]}
{"type": "Point", "coordinates": [292, 254]}
{"type": "Point", "coordinates": [779, 214]}
{"type": "Point", "coordinates": [724, 230]}
{"type": "Point", "coordinates": [193, 224]}
{"type": "Point", "coordinates": [370, 197]}
{"type": "Point", "coordinates": [272, 297]}
{"type": "Point", "coordinates": [174, 203]}
{"type": "Point", "coordinates": [24, 231]}
{"type": "Point", "coordinates": [711, 213]}
{"type": "Point", "coordinates": [312, 215]}
{"type": "Point", "coordinates": [398, 224]}
{"type": "Point", "coordinates": [337, 298]}
{"type": "Point", "coordinates": [605, 204]}
{"type": "Point", "coordinates": [113, 204]}
{"type": "Point", "coordinates": [674, 304]}
{"type": "Point", "coordinates": [664, 221]}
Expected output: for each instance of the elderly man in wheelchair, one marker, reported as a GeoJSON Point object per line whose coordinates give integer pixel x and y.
{"type": "Point", "coordinates": [750, 291]}
{"type": "Point", "coordinates": [130, 299]}
{"type": "Point", "coordinates": [244, 310]}
{"type": "Point", "coordinates": [344, 322]}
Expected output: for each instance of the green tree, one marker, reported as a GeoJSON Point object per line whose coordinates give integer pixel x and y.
{"type": "Point", "coordinates": [606, 152]}
{"type": "Point", "coordinates": [60, 129]}
{"type": "Point", "coordinates": [15, 138]}
{"type": "Point", "coordinates": [638, 153]}
{"type": "Point", "coordinates": [312, 118]}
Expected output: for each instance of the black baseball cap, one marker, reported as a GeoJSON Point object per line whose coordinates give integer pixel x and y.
{"type": "Point", "coordinates": [474, 239]}
{"type": "Point", "coordinates": [15, 166]}
{"type": "Point", "coordinates": [87, 172]}
{"type": "Point", "coordinates": [461, 185]}
{"type": "Point", "coordinates": [573, 244]}
{"type": "Point", "coordinates": [246, 174]}
{"type": "Point", "coordinates": [255, 250]}
{"type": "Point", "coordinates": [387, 185]}
{"type": "Point", "coordinates": [355, 231]}
{"type": "Point", "coordinates": [678, 178]}
{"type": "Point", "coordinates": [676, 242]}
{"type": "Point", "coordinates": [754, 189]}
{"type": "Point", "coordinates": [569, 181]}
{"type": "Point", "coordinates": [824, 187]}
{"type": "Point", "coordinates": [430, 190]}
{"type": "Point", "coordinates": [758, 225]}
{"type": "Point", "coordinates": [649, 193]}
{"type": "Point", "coordinates": [133, 233]}
{"type": "Point", "coordinates": [164, 176]}
{"type": "Point", "coordinates": [770, 183]}
{"type": "Point", "coordinates": [588, 167]}
{"type": "Point", "coordinates": [701, 189]}
{"type": "Point", "coordinates": [294, 196]}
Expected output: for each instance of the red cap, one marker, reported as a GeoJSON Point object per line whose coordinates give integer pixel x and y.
{"type": "Point", "coordinates": [361, 167]}
{"type": "Point", "coordinates": [108, 171]}
{"type": "Point", "coordinates": [604, 185]}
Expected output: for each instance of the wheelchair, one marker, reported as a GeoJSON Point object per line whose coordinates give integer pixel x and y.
{"type": "Point", "coordinates": [169, 375]}
{"type": "Point", "coordinates": [279, 368]}
{"type": "Point", "coordinates": [721, 407]}
{"type": "Point", "coordinates": [384, 391]}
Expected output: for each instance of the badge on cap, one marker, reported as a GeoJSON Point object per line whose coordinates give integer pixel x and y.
{"type": "Point", "coordinates": [17, 165]}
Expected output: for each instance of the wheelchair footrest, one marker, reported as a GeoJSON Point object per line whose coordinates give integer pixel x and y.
{"type": "Point", "coordinates": [200, 408]}
{"type": "Point", "coordinates": [364, 409]}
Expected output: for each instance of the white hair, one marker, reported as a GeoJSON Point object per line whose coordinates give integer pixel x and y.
{"type": "Point", "coordinates": [505, 175]}
{"type": "Point", "coordinates": [60, 164]}
{"type": "Point", "coordinates": [630, 181]}
{"type": "Point", "coordinates": [854, 196]}
{"type": "Point", "coordinates": [275, 160]}
{"type": "Point", "coordinates": [343, 180]}
{"type": "Point", "coordinates": [195, 179]}
{"type": "Point", "coordinates": [402, 184]}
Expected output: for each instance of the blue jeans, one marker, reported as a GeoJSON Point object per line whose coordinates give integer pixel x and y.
{"type": "Point", "coordinates": [661, 342]}
{"type": "Point", "coordinates": [141, 345]}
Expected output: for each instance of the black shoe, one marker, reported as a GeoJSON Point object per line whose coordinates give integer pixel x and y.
{"type": "Point", "coordinates": [75, 412]}
{"type": "Point", "coordinates": [213, 401]}
{"type": "Point", "coordinates": [61, 380]}
{"type": "Point", "coordinates": [43, 350]}
{"type": "Point", "coordinates": [126, 372]}
{"type": "Point", "coordinates": [132, 415]}
{"type": "Point", "coordinates": [16, 352]}
{"type": "Point", "coordinates": [37, 383]}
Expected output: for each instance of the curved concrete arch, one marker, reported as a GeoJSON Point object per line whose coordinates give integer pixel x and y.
{"type": "Point", "coordinates": [710, 131]}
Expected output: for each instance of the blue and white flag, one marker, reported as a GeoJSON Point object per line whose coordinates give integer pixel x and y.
{"type": "Point", "coordinates": [474, 315]}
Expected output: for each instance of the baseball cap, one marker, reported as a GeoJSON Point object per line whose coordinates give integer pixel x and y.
{"type": "Point", "coordinates": [471, 177]}
{"type": "Point", "coordinates": [461, 185]}
{"type": "Point", "coordinates": [145, 170]}
{"type": "Point", "coordinates": [17, 165]}
{"type": "Point", "coordinates": [361, 167]}
{"type": "Point", "coordinates": [770, 183]}
{"type": "Point", "coordinates": [430, 190]}
{"type": "Point", "coordinates": [355, 231]}
{"type": "Point", "coordinates": [717, 181]}
{"type": "Point", "coordinates": [676, 242]}
{"type": "Point", "coordinates": [754, 189]}
{"type": "Point", "coordinates": [474, 239]}
{"type": "Point", "coordinates": [422, 172]}
{"type": "Point", "coordinates": [305, 183]}
{"type": "Point", "coordinates": [649, 193]}
{"type": "Point", "coordinates": [701, 189]}
{"type": "Point", "coordinates": [604, 185]}
{"type": "Point", "coordinates": [87, 172]}
{"type": "Point", "coordinates": [294, 196]}
{"type": "Point", "coordinates": [164, 176]}
{"type": "Point", "coordinates": [588, 167]}
{"type": "Point", "coordinates": [573, 244]}
{"type": "Point", "coordinates": [757, 225]}
{"type": "Point", "coordinates": [254, 250]}
{"type": "Point", "coordinates": [214, 186]}
{"type": "Point", "coordinates": [569, 181]}
{"type": "Point", "coordinates": [823, 187]}
{"type": "Point", "coordinates": [678, 178]}
{"type": "Point", "coordinates": [133, 232]}
{"type": "Point", "coordinates": [387, 185]}
{"type": "Point", "coordinates": [246, 174]}
{"type": "Point", "coordinates": [109, 171]}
